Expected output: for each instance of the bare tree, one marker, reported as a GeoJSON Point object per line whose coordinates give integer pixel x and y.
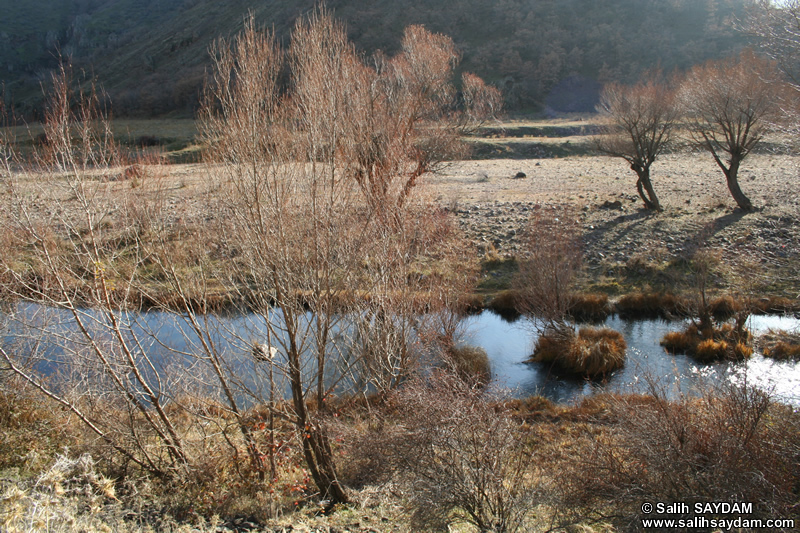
{"type": "Point", "coordinates": [548, 265]}
{"type": "Point", "coordinates": [65, 265]}
{"type": "Point", "coordinates": [639, 124]}
{"type": "Point", "coordinates": [777, 26]}
{"type": "Point", "coordinates": [318, 210]}
{"type": "Point", "coordinates": [729, 106]}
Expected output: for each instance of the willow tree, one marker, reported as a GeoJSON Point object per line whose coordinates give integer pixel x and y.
{"type": "Point", "coordinates": [318, 204]}
{"type": "Point", "coordinates": [730, 105]}
{"type": "Point", "coordinates": [639, 124]}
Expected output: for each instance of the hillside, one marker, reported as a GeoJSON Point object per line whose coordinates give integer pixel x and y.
{"type": "Point", "coordinates": [150, 55]}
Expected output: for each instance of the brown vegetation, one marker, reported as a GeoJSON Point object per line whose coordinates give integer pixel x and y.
{"type": "Point", "coordinates": [471, 364]}
{"type": "Point", "coordinates": [459, 459]}
{"type": "Point", "coordinates": [589, 307]}
{"type": "Point", "coordinates": [650, 305]}
{"type": "Point", "coordinates": [728, 445]}
{"type": "Point", "coordinates": [710, 343]}
{"type": "Point", "coordinates": [593, 353]}
{"type": "Point", "coordinates": [505, 304]}
{"type": "Point", "coordinates": [780, 345]}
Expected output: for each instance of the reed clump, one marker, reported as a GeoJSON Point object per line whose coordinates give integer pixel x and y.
{"type": "Point", "coordinates": [471, 364]}
{"type": "Point", "coordinates": [707, 343]}
{"type": "Point", "coordinates": [592, 353]}
{"type": "Point", "coordinates": [589, 307]}
{"type": "Point", "coordinates": [505, 304]}
{"type": "Point", "coordinates": [650, 305]}
{"type": "Point", "coordinates": [781, 345]}
{"type": "Point", "coordinates": [724, 307]}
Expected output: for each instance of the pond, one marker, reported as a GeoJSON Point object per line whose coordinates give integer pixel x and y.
{"type": "Point", "coordinates": [509, 344]}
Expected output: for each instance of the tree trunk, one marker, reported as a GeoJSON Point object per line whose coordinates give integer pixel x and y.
{"type": "Point", "coordinates": [732, 176]}
{"type": "Point", "coordinates": [316, 447]}
{"type": "Point", "coordinates": [645, 188]}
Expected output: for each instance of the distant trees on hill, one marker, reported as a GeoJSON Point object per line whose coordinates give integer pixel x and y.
{"type": "Point", "coordinates": [543, 54]}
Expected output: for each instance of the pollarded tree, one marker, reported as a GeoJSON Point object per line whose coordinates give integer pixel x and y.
{"type": "Point", "coordinates": [640, 120]}
{"type": "Point", "coordinates": [729, 106]}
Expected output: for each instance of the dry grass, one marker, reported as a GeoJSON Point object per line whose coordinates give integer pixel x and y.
{"type": "Point", "coordinates": [589, 307]}
{"type": "Point", "coordinates": [710, 344]}
{"type": "Point", "coordinates": [592, 353]}
{"type": "Point", "coordinates": [710, 350]}
{"type": "Point", "coordinates": [554, 465]}
{"type": "Point", "coordinates": [471, 364]}
{"type": "Point", "coordinates": [724, 307]}
{"type": "Point", "coordinates": [780, 344]}
{"type": "Point", "coordinates": [650, 305]}
{"type": "Point", "coordinates": [732, 444]}
{"type": "Point", "coordinates": [505, 304]}
{"type": "Point", "coordinates": [776, 304]}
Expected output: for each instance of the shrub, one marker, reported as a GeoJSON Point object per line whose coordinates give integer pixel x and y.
{"type": "Point", "coordinates": [471, 363]}
{"type": "Point", "coordinates": [460, 459]}
{"type": "Point", "coordinates": [732, 444]}
{"type": "Point", "coordinates": [593, 353]}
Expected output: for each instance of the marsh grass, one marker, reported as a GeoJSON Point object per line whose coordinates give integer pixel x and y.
{"type": "Point", "coordinates": [589, 307]}
{"type": "Point", "coordinates": [710, 343]}
{"type": "Point", "coordinates": [592, 353]}
{"type": "Point", "coordinates": [471, 363]}
{"type": "Point", "coordinates": [781, 345]}
{"type": "Point", "coordinates": [651, 305]}
{"type": "Point", "coordinates": [504, 304]}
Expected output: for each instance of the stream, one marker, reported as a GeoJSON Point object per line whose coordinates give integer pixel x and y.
{"type": "Point", "coordinates": [509, 344]}
{"type": "Point", "coordinates": [169, 342]}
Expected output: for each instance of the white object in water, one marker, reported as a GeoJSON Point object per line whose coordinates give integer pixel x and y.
{"type": "Point", "coordinates": [264, 352]}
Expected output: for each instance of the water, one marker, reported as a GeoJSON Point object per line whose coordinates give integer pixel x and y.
{"type": "Point", "coordinates": [510, 344]}
{"type": "Point", "coordinates": [170, 342]}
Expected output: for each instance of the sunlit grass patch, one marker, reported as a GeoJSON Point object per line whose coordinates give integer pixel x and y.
{"type": "Point", "coordinates": [780, 344]}
{"type": "Point", "coordinates": [710, 344]}
{"type": "Point", "coordinates": [589, 307]}
{"type": "Point", "coordinates": [592, 353]}
{"type": "Point", "coordinates": [650, 305]}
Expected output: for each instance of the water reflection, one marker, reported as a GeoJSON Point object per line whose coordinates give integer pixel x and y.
{"type": "Point", "coordinates": [509, 345]}
{"type": "Point", "coordinates": [170, 341]}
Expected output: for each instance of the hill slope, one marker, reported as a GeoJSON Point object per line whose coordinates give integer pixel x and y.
{"type": "Point", "coordinates": [150, 55]}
